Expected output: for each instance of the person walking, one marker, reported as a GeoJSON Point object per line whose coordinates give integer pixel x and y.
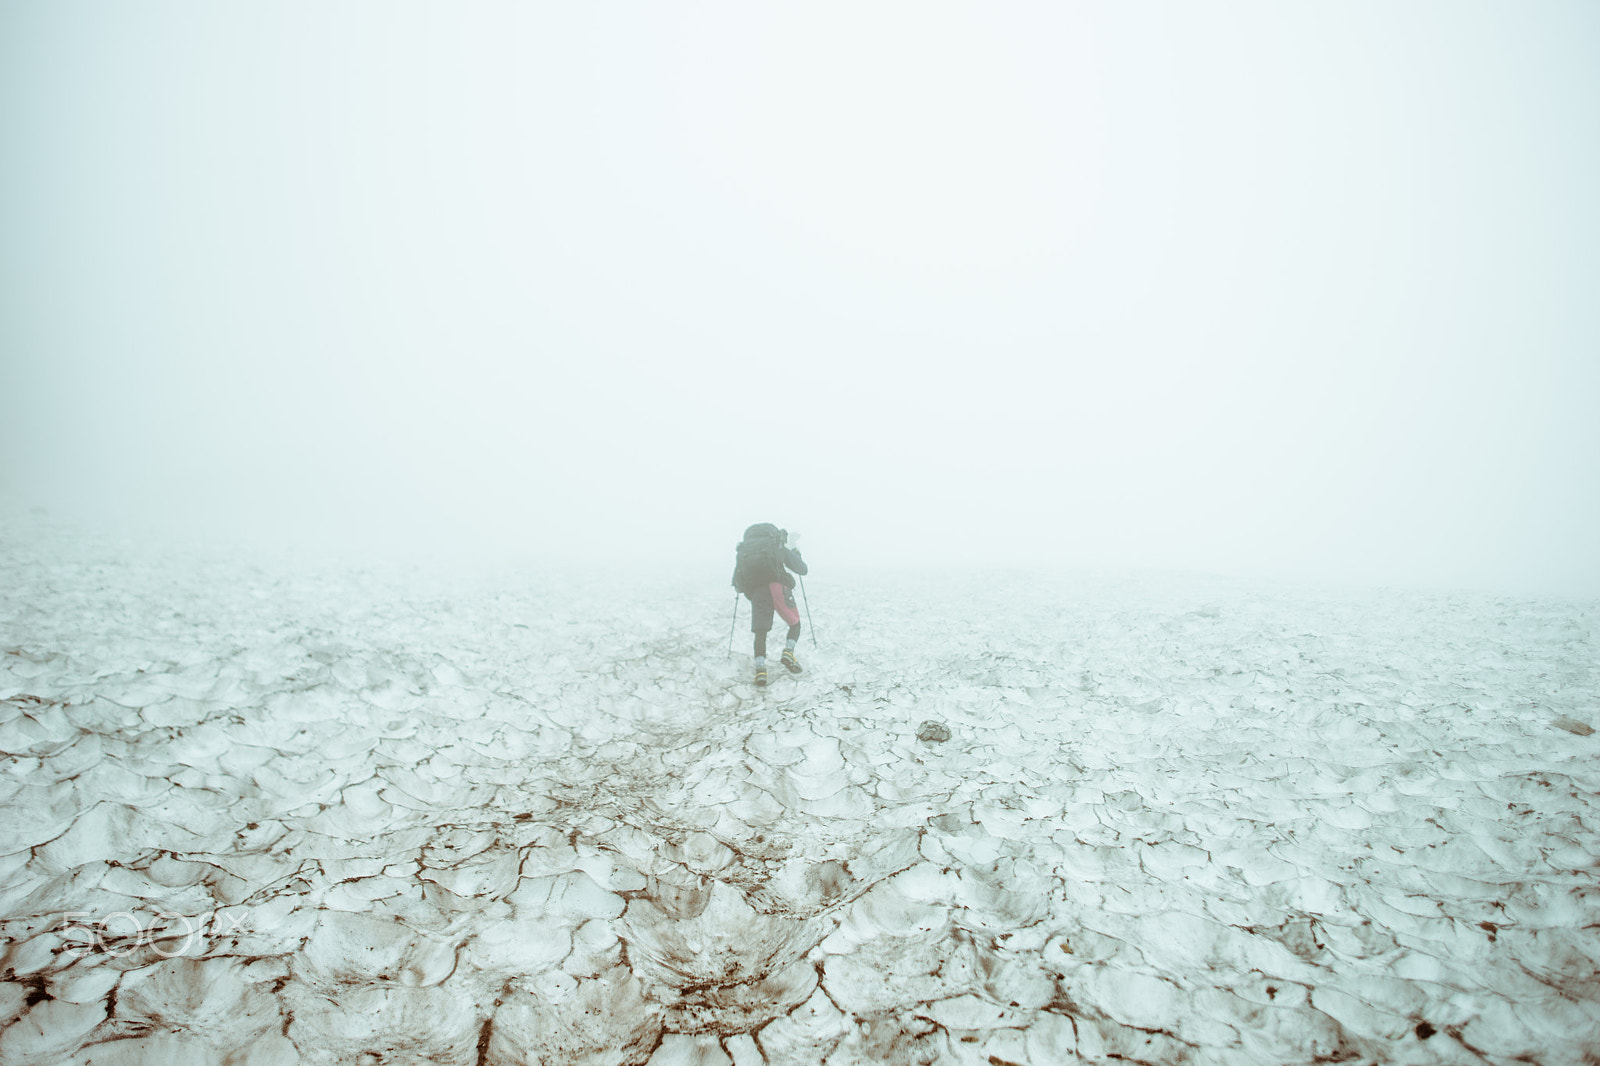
{"type": "Point", "coordinates": [764, 567]}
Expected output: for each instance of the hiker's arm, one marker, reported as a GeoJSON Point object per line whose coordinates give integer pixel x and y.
{"type": "Point", "coordinates": [792, 560]}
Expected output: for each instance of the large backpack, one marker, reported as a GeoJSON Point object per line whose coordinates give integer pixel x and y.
{"type": "Point", "coordinates": [758, 559]}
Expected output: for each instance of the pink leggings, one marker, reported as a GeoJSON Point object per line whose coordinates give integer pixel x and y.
{"type": "Point", "coordinates": [780, 603]}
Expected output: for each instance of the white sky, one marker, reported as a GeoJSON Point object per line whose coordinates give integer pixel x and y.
{"type": "Point", "coordinates": [1291, 289]}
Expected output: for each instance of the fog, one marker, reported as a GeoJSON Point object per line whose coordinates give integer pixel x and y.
{"type": "Point", "coordinates": [1304, 291]}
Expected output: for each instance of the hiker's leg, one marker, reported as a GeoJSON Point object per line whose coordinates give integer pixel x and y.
{"type": "Point", "coordinates": [783, 603]}
{"type": "Point", "coordinates": [792, 616]}
{"type": "Point", "coordinates": [760, 620]}
{"type": "Point", "coordinates": [790, 663]}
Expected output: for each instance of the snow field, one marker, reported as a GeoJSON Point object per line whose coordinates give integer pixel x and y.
{"type": "Point", "coordinates": [265, 816]}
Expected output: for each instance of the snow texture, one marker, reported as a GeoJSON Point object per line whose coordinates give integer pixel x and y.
{"type": "Point", "coordinates": [258, 816]}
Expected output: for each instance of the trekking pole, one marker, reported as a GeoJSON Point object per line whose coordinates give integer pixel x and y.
{"type": "Point", "coordinates": [735, 624]}
{"type": "Point", "coordinates": [804, 599]}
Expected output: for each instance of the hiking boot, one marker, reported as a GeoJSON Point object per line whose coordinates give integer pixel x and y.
{"type": "Point", "coordinates": [761, 677]}
{"type": "Point", "coordinates": [790, 661]}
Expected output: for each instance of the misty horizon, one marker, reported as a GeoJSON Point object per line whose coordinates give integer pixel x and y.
{"type": "Point", "coordinates": [1292, 294]}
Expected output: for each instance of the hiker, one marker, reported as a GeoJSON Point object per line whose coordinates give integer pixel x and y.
{"type": "Point", "coordinates": [761, 573]}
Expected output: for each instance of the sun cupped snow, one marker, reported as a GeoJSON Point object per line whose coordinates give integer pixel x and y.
{"type": "Point", "coordinates": [255, 815]}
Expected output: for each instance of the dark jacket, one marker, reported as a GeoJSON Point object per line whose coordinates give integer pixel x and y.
{"type": "Point", "coordinates": [791, 561]}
